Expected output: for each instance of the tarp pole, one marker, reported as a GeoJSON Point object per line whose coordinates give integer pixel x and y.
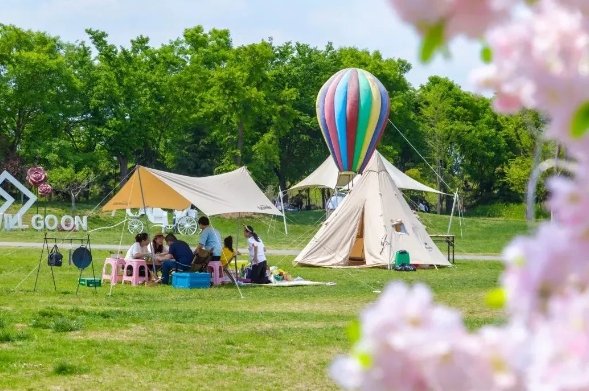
{"type": "Point", "coordinates": [452, 213]}
{"type": "Point", "coordinates": [237, 246]}
{"type": "Point", "coordinates": [283, 211]}
{"type": "Point", "coordinates": [138, 168]}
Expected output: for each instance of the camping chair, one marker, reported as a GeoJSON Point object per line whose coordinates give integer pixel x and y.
{"type": "Point", "coordinates": [201, 260]}
{"type": "Point", "coordinates": [227, 270]}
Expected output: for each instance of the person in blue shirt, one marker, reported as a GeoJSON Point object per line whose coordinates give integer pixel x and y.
{"type": "Point", "coordinates": [180, 252]}
{"type": "Point", "coordinates": [210, 239]}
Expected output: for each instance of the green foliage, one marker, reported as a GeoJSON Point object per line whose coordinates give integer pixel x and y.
{"type": "Point", "coordinates": [507, 211]}
{"type": "Point", "coordinates": [432, 41]}
{"type": "Point", "coordinates": [486, 54]}
{"type": "Point", "coordinates": [200, 105]}
{"type": "Point", "coordinates": [580, 121]}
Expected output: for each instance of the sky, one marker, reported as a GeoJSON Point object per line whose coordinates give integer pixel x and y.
{"type": "Point", "coordinates": [366, 24]}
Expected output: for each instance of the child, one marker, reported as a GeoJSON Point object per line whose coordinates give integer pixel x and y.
{"type": "Point", "coordinates": [227, 253]}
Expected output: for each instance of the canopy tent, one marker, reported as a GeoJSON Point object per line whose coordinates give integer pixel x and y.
{"type": "Point", "coordinates": [327, 175]}
{"type": "Point", "coordinates": [369, 226]}
{"type": "Point", "coordinates": [232, 192]}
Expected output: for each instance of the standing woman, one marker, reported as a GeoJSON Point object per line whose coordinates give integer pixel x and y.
{"type": "Point", "coordinates": [257, 255]}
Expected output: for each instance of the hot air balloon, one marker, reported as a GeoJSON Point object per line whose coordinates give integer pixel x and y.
{"type": "Point", "coordinates": [352, 109]}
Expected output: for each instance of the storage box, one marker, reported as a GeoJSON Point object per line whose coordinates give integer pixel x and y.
{"type": "Point", "coordinates": [92, 282]}
{"type": "Point", "coordinates": [401, 258]}
{"type": "Point", "coordinates": [188, 280]}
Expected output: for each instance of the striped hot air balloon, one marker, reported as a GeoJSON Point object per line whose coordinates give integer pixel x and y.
{"type": "Point", "coordinates": [352, 109]}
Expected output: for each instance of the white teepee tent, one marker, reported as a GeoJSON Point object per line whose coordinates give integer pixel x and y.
{"type": "Point", "coordinates": [369, 226]}
{"type": "Point", "coordinates": [327, 175]}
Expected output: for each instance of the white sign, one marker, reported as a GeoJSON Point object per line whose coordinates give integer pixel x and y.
{"type": "Point", "coordinates": [16, 220]}
{"type": "Point", "coordinates": [38, 222]}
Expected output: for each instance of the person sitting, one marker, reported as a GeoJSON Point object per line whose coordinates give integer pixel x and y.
{"type": "Point", "coordinates": [157, 245]}
{"type": "Point", "coordinates": [158, 249]}
{"type": "Point", "coordinates": [227, 253]}
{"type": "Point", "coordinates": [180, 252]}
{"type": "Point", "coordinates": [139, 249]}
{"type": "Point", "coordinates": [210, 239]}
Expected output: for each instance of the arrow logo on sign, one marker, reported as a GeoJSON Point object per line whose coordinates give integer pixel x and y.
{"type": "Point", "coordinates": [9, 200]}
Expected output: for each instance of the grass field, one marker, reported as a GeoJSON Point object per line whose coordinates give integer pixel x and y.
{"type": "Point", "coordinates": [473, 235]}
{"type": "Point", "coordinates": [161, 338]}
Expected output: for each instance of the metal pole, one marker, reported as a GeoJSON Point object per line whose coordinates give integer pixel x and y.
{"type": "Point", "coordinates": [452, 213]}
{"type": "Point", "coordinates": [283, 211]}
{"type": "Point", "coordinates": [138, 168]}
{"type": "Point", "coordinates": [237, 246]}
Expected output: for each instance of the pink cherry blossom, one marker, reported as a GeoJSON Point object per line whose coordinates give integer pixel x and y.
{"type": "Point", "coordinates": [422, 12]}
{"type": "Point", "coordinates": [473, 18]}
{"type": "Point", "coordinates": [568, 201]}
{"type": "Point", "coordinates": [581, 5]}
{"type": "Point", "coordinates": [541, 267]}
{"type": "Point", "coordinates": [560, 347]}
{"type": "Point", "coordinates": [541, 62]}
{"type": "Point", "coordinates": [407, 342]}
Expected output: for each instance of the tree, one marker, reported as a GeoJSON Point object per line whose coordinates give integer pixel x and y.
{"type": "Point", "coordinates": [71, 182]}
{"type": "Point", "coordinates": [37, 91]}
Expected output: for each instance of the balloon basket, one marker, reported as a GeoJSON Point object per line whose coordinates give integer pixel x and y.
{"type": "Point", "coordinates": [344, 178]}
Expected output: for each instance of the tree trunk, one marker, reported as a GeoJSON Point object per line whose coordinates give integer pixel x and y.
{"type": "Point", "coordinates": [240, 144]}
{"type": "Point", "coordinates": [439, 186]}
{"type": "Point", "coordinates": [308, 206]}
{"type": "Point", "coordinates": [282, 183]}
{"type": "Point", "coordinates": [73, 196]}
{"type": "Point", "coordinates": [123, 164]}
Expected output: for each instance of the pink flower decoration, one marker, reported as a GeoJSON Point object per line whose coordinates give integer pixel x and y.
{"type": "Point", "coordinates": [36, 176]}
{"type": "Point", "coordinates": [45, 189]}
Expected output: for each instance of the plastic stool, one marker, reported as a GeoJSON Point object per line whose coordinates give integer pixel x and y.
{"type": "Point", "coordinates": [216, 270]}
{"type": "Point", "coordinates": [135, 265]}
{"type": "Point", "coordinates": [112, 274]}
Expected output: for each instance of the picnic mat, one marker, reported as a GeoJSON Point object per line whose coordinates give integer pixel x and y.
{"type": "Point", "coordinates": [297, 283]}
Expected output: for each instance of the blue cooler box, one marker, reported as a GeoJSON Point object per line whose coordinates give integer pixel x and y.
{"type": "Point", "coordinates": [191, 280]}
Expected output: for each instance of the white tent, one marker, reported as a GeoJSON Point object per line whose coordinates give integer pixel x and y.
{"type": "Point", "coordinates": [326, 176]}
{"type": "Point", "coordinates": [230, 192]}
{"type": "Point", "coordinates": [369, 226]}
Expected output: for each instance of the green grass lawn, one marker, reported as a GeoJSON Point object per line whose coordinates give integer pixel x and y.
{"type": "Point", "coordinates": [473, 235]}
{"type": "Point", "coordinates": [161, 338]}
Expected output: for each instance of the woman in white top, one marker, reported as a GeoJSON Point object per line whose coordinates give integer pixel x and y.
{"type": "Point", "coordinates": [140, 249]}
{"type": "Point", "coordinates": [257, 256]}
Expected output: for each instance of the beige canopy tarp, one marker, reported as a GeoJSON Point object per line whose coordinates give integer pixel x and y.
{"type": "Point", "coordinates": [327, 174]}
{"type": "Point", "coordinates": [232, 192]}
{"type": "Point", "coordinates": [372, 222]}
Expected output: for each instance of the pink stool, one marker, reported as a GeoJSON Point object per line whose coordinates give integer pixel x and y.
{"type": "Point", "coordinates": [216, 270]}
{"type": "Point", "coordinates": [113, 270]}
{"type": "Point", "coordinates": [135, 265]}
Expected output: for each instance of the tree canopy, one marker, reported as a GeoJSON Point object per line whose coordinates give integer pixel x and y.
{"type": "Point", "coordinates": [198, 105]}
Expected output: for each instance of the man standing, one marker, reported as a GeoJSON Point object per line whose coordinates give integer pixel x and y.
{"type": "Point", "coordinates": [180, 252]}
{"type": "Point", "coordinates": [210, 239]}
